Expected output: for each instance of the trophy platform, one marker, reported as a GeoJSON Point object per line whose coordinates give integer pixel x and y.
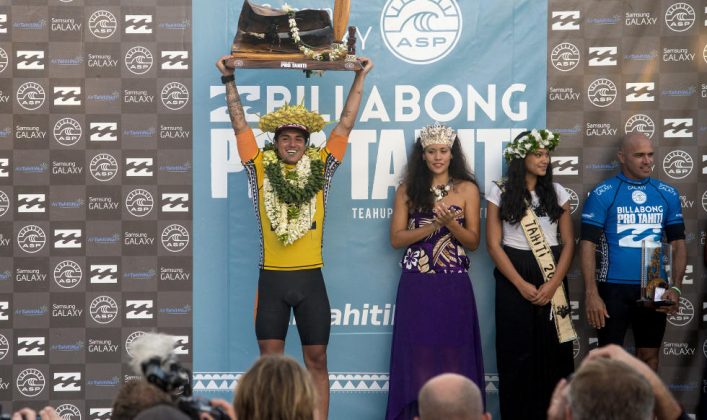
{"type": "Point", "coordinates": [287, 62]}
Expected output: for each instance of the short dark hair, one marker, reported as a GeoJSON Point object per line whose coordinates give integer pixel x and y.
{"type": "Point", "coordinates": [604, 389]}
{"type": "Point", "coordinates": [135, 396]}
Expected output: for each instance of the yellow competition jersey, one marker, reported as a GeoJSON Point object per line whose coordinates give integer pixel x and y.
{"type": "Point", "coordinates": [305, 252]}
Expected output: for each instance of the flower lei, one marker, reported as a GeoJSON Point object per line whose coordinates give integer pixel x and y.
{"type": "Point", "coordinates": [529, 143]}
{"type": "Point", "coordinates": [291, 196]}
{"type": "Point", "coordinates": [338, 50]}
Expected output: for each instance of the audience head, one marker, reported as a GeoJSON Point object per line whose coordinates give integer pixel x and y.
{"type": "Point", "coordinates": [451, 397]}
{"type": "Point", "coordinates": [135, 396]}
{"type": "Point", "coordinates": [609, 389]}
{"type": "Point", "coordinates": [275, 387]}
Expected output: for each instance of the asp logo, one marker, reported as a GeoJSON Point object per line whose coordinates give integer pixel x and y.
{"type": "Point", "coordinates": [680, 17]}
{"type": "Point", "coordinates": [565, 56]}
{"type": "Point", "coordinates": [421, 31]}
{"type": "Point", "coordinates": [640, 123]}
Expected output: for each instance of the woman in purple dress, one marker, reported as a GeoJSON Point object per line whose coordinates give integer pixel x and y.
{"type": "Point", "coordinates": [435, 216]}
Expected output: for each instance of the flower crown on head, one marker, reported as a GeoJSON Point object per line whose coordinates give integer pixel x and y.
{"type": "Point", "coordinates": [530, 142]}
{"type": "Point", "coordinates": [437, 134]}
{"type": "Point", "coordinates": [295, 116]}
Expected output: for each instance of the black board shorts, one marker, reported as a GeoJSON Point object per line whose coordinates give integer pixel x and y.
{"type": "Point", "coordinates": [304, 292]}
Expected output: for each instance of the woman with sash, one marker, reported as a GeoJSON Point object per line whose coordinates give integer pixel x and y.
{"type": "Point", "coordinates": [435, 216]}
{"type": "Point", "coordinates": [533, 322]}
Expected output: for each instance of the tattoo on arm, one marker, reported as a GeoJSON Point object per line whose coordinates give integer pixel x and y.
{"type": "Point", "coordinates": [235, 109]}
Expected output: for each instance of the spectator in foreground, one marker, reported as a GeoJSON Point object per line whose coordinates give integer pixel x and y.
{"type": "Point", "coordinates": [450, 396]}
{"type": "Point", "coordinates": [612, 384]}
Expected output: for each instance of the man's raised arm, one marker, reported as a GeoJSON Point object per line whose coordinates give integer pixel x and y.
{"type": "Point", "coordinates": [347, 120]}
{"type": "Point", "coordinates": [247, 147]}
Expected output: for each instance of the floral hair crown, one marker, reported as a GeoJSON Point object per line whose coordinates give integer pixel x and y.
{"type": "Point", "coordinates": [437, 134]}
{"type": "Point", "coordinates": [530, 142]}
{"type": "Point", "coordinates": [292, 116]}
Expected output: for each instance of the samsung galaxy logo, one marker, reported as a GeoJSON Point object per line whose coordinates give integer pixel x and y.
{"type": "Point", "coordinates": [639, 19]}
{"type": "Point", "coordinates": [137, 96]}
{"type": "Point", "coordinates": [101, 61]}
{"type": "Point", "coordinates": [174, 274]}
{"type": "Point", "coordinates": [65, 25]}
{"type": "Point", "coordinates": [678, 55]}
{"type": "Point", "coordinates": [174, 132]}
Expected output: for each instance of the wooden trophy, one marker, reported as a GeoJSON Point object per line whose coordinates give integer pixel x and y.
{"type": "Point", "coordinates": [264, 39]}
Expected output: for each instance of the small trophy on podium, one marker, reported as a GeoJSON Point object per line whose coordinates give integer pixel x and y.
{"type": "Point", "coordinates": [291, 39]}
{"type": "Point", "coordinates": [656, 264]}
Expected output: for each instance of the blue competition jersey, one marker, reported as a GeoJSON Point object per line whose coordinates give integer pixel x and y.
{"type": "Point", "coordinates": [629, 212]}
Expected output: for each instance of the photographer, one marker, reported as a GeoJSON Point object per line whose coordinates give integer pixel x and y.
{"type": "Point", "coordinates": [47, 413]}
{"type": "Point", "coordinates": [166, 383]}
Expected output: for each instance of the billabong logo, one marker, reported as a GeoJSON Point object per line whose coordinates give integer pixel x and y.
{"type": "Point", "coordinates": [4, 310]}
{"type": "Point", "coordinates": [565, 165]}
{"type": "Point", "coordinates": [31, 239]}
{"type": "Point", "coordinates": [139, 202]}
{"type": "Point", "coordinates": [640, 92]}
{"type": "Point", "coordinates": [67, 274]}
{"type": "Point", "coordinates": [421, 31]}
{"type": "Point", "coordinates": [640, 123]}
{"type": "Point", "coordinates": [3, 23]}
{"type": "Point", "coordinates": [30, 96]}
{"type": "Point", "coordinates": [175, 95]}
{"type": "Point", "coordinates": [4, 203]}
{"type": "Point", "coordinates": [29, 60]}
{"type": "Point", "coordinates": [103, 131]}
{"type": "Point", "coordinates": [102, 24]}
{"type": "Point", "coordinates": [677, 164]}
{"type": "Point", "coordinates": [602, 92]}
{"type": "Point", "coordinates": [31, 203]}
{"type": "Point", "coordinates": [138, 309]}
{"type": "Point", "coordinates": [603, 56]}
{"type": "Point", "coordinates": [103, 167]}
{"type": "Point", "coordinates": [67, 95]}
{"type": "Point", "coordinates": [100, 413]}
{"type": "Point", "coordinates": [175, 202]}
{"type": "Point", "coordinates": [4, 168]}
{"type": "Point", "coordinates": [68, 238]}
{"type": "Point", "coordinates": [104, 273]}
{"type": "Point", "coordinates": [677, 128]}
{"type": "Point", "coordinates": [129, 341]}
{"type": "Point", "coordinates": [174, 60]}
{"type": "Point", "coordinates": [103, 309]}
{"type": "Point", "coordinates": [31, 346]}
{"type": "Point", "coordinates": [67, 131]}
{"type": "Point", "coordinates": [686, 311]}
{"type": "Point", "coordinates": [69, 412]}
{"type": "Point", "coordinates": [138, 60]}
{"type": "Point", "coordinates": [4, 59]}
{"type": "Point", "coordinates": [175, 238]}
{"type": "Point", "coordinates": [30, 382]}
{"type": "Point", "coordinates": [181, 344]}
{"type": "Point", "coordinates": [139, 167]}
{"type": "Point", "coordinates": [566, 20]}
{"type": "Point", "coordinates": [680, 17]}
{"type": "Point", "coordinates": [67, 381]}
{"type": "Point", "coordinates": [565, 56]}
{"type": "Point", "coordinates": [138, 24]}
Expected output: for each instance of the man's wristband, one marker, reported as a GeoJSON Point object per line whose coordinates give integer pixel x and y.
{"type": "Point", "coordinates": [677, 289]}
{"type": "Point", "coordinates": [229, 78]}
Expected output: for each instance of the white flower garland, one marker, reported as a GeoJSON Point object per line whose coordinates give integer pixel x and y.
{"type": "Point", "coordinates": [534, 140]}
{"type": "Point", "coordinates": [290, 221]}
{"type": "Point", "coordinates": [338, 50]}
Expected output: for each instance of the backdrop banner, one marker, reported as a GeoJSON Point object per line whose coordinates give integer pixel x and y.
{"type": "Point", "coordinates": [95, 195]}
{"type": "Point", "coordinates": [591, 70]}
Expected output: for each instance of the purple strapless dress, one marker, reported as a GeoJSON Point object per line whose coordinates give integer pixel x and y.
{"type": "Point", "coordinates": [436, 326]}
